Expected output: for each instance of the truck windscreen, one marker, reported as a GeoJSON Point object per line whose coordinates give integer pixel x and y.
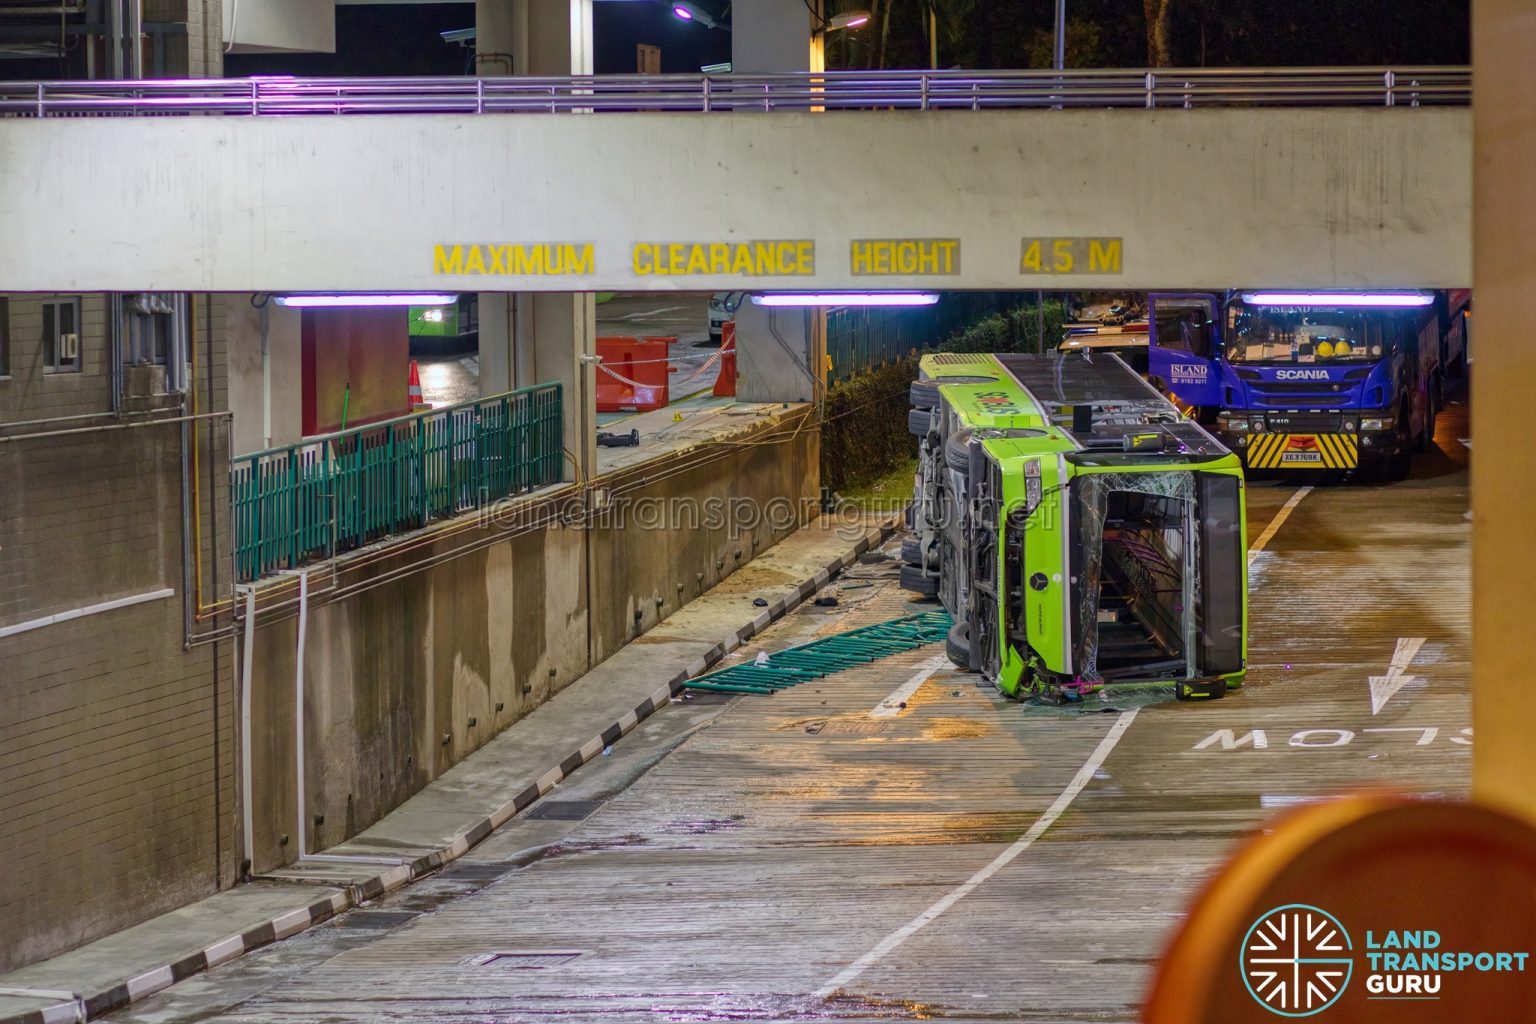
{"type": "Point", "coordinates": [1288, 336]}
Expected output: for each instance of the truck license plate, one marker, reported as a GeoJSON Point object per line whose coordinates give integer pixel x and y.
{"type": "Point", "coordinates": [1302, 457]}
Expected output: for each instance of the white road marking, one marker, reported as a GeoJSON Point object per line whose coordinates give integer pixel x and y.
{"type": "Point", "coordinates": [1278, 521]}
{"type": "Point", "coordinates": [1383, 688]}
{"type": "Point", "coordinates": [891, 706]}
{"type": "Point", "coordinates": [1002, 860]}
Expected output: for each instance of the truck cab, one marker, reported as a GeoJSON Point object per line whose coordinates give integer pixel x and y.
{"type": "Point", "coordinates": [1314, 381]}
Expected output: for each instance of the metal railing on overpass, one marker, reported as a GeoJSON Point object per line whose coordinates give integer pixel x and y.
{"type": "Point", "coordinates": [337, 492]}
{"type": "Point", "coordinates": [836, 90]}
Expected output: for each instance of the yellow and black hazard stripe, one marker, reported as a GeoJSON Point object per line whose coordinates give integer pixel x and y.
{"type": "Point", "coordinates": [1303, 451]}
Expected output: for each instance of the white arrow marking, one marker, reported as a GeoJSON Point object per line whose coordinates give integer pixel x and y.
{"type": "Point", "coordinates": [1384, 688]}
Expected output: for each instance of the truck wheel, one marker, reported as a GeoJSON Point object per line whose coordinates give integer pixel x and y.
{"type": "Point", "coordinates": [914, 579]}
{"type": "Point", "coordinates": [1401, 459]}
{"type": "Point", "coordinates": [958, 645]}
{"type": "Point", "coordinates": [1427, 438]}
{"type": "Point", "coordinates": [918, 421]}
{"type": "Point", "coordinates": [912, 553]}
{"type": "Point", "coordinates": [924, 394]}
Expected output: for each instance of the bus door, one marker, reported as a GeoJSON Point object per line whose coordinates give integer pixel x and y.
{"type": "Point", "coordinates": [1185, 346]}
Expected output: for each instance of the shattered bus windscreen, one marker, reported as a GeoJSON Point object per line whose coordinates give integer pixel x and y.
{"type": "Point", "coordinates": [1156, 566]}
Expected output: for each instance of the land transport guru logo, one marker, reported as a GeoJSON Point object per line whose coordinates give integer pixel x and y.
{"type": "Point", "coordinates": [1297, 960]}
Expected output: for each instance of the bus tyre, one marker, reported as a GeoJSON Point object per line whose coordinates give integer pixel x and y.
{"type": "Point", "coordinates": [957, 454]}
{"type": "Point", "coordinates": [912, 552]}
{"type": "Point", "coordinates": [924, 394]}
{"type": "Point", "coordinates": [958, 646]}
{"type": "Point", "coordinates": [913, 578]}
{"type": "Point", "coordinates": [918, 421]}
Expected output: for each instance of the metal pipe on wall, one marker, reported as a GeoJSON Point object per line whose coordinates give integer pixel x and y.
{"type": "Point", "coordinates": [301, 835]}
{"type": "Point", "coordinates": [115, 348]}
{"type": "Point", "coordinates": [247, 662]}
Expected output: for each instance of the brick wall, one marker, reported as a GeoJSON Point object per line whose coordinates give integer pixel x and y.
{"type": "Point", "coordinates": [34, 393]}
{"type": "Point", "coordinates": [117, 797]}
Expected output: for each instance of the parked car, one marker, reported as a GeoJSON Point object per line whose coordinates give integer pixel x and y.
{"type": "Point", "coordinates": [722, 307]}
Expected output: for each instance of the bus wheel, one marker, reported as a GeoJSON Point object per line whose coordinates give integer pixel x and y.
{"type": "Point", "coordinates": [914, 579]}
{"type": "Point", "coordinates": [918, 421]}
{"type": "Point", "coordinates": [958, 645]}
{"type": "Point", "coordinates": [957, 454]}
{"type": "Point", "coordinates": [912, 553]}
{"type": "Point", "coordinates": [923, 394]}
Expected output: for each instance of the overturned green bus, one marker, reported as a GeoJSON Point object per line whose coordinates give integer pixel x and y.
{"type": "Point", "coordinates": [1081, 533]}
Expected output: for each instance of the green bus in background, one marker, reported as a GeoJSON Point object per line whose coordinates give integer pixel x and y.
{"type": "Point", "coordinates": [1079, 530]}
{"type": "Point", "coordinates": [443, 329]}
{"type": "Point", "coordinates": [451, 328]}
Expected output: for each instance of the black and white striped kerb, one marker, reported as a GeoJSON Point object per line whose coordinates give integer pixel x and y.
{"type": "Point", "coordinates": [89, 1006]}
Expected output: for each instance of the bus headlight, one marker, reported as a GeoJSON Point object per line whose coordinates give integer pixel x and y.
{"type": "Point", "coordinates": [1371, 424]}
{"type": "Point", "coordinates": [1237, 426]}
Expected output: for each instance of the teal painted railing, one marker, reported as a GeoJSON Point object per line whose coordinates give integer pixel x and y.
{"type": "Point", "coordinates": [337, 492]}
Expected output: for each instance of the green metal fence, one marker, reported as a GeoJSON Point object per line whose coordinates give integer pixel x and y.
{"type": "Point", "coordinates": [337, 492]}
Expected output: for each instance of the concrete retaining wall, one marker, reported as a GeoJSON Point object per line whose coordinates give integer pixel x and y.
{"type": "Point", "coordinates": [406, 676]}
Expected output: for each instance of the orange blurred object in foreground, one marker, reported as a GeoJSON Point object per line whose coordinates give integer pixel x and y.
{"type": "Point", "coordinates": [1349, 911]}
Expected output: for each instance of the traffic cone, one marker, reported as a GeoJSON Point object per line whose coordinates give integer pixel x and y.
{"type": "Point", "coordinates": [413, 390]}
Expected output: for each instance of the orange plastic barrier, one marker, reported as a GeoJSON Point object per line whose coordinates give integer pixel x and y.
{"type": "Point", "coordinates": [632, 375]}
{"type": "Point", "coordinates": [725, 384]}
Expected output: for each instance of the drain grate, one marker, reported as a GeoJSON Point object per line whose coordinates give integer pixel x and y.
{"type": "Point", "coordinates": [525, 960]}
{"type": "Point", "coordinates": [564, 810]}
{"type": "Point", "coordinates": [378, 918]}
{"type": "Point", "coordinates": [829, 654]}
{"type": "Point", "coordinates": [847, 727]}
{"type": "Point", "coordinates": [474, 871]}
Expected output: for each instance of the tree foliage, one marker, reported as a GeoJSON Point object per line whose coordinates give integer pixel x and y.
{"type": "Point", "coordinates": [1159, 33]}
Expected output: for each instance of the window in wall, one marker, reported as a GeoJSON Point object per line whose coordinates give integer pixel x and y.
{"type": "Point", "coordinates": [61, 335]}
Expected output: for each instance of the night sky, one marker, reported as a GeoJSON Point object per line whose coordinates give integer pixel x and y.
{"type": "Point", "coordinates": [390, 39]}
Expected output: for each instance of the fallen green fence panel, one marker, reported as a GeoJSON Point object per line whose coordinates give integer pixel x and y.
{"type": "Point", "coordinates": [823, 657]}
